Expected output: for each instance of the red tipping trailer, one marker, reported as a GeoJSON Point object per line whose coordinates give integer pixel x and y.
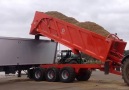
{"type": "Point", "coordinates": [107, 49]}
{"type": "Point", "coordinates": [78, 39]}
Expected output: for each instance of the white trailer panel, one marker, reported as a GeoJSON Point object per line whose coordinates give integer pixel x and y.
{"type": "Point", "coordinates": [19, 51]}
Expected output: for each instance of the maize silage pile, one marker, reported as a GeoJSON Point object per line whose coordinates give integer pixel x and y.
{"type": "Point", "coordinates": [86, 25]}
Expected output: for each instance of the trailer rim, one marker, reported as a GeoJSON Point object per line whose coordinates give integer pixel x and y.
{"type": "Point", "coordinates": [65, 74]}
{"type": "Point", "coordinates": [50, 74]}
{"type": "Point", "coordinates": [37, 74]}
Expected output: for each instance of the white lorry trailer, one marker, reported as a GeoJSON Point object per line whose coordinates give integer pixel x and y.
{"type": "Point", "coordinates": [17, 54]}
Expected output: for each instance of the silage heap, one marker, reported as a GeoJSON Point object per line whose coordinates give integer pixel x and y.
{"type": "Point", "coordinates": [86, 25]}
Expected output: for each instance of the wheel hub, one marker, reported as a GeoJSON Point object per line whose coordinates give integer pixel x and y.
{"type": "Point", "coordinates": [65, 74]}
{"type": "Point", "coordinates": [50, 74]}
{"type": "Point", "coordinates": [37, 74]}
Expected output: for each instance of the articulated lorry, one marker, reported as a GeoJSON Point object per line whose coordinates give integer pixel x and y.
{"type": "Point", "coordinates": [109, 50]}
{"type": "Point", "coordinates": [17, 54]}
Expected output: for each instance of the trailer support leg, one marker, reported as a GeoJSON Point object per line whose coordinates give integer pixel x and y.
{"type": "Point", "coordinates": [106, 68]}
{"type": "Point", "coordinates": [19, 71]}
{"type": "Point", "coordinates": [37, 37]}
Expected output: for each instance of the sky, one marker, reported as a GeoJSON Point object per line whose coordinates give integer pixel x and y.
{"type": "Point", "coordinates": [16, 15]}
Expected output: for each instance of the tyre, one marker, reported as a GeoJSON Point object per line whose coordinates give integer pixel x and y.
{"type": "Point", "coordinates": [83, 75]}
{"type": "Point", "coordinates": [125, 71]}
{"type": "Point", "coordinates": [67, 75]}
{"type": "Point", "coordinates": [73, 62]}
{"type": "Point", "coordinates": [39, 74]}
{"type": "Point", "coordinates": [52, 74]}
{"type": "Point", "coordinates": [30, 73]}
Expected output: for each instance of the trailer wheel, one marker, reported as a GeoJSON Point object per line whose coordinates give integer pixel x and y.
{"type": "Point", "coordinates": [125, 71]}
{"type": "Point", "coordinates": [83, 75]}
{"type": "Point", "coordinates": [39, 74]}
{"type": "Point", "coordinates": [30, 73]}
{"type": "Point", "coordinates": [52, 74]}
{"type": "Point", "coordinates": [67, 75]}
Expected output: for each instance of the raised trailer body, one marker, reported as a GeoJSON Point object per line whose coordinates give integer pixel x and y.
{"type": "Point", "coordinates": [78, 39]}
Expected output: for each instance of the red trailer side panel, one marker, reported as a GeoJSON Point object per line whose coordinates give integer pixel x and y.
{"type": "Point", "coordinates": [72, 36]}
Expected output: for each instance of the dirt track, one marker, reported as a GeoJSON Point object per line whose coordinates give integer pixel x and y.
{"type": "Point", "coordinates": [98, 81]}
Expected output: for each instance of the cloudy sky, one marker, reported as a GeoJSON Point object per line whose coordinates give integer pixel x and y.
{"type": "Point", "coordinates": [16, 15]}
